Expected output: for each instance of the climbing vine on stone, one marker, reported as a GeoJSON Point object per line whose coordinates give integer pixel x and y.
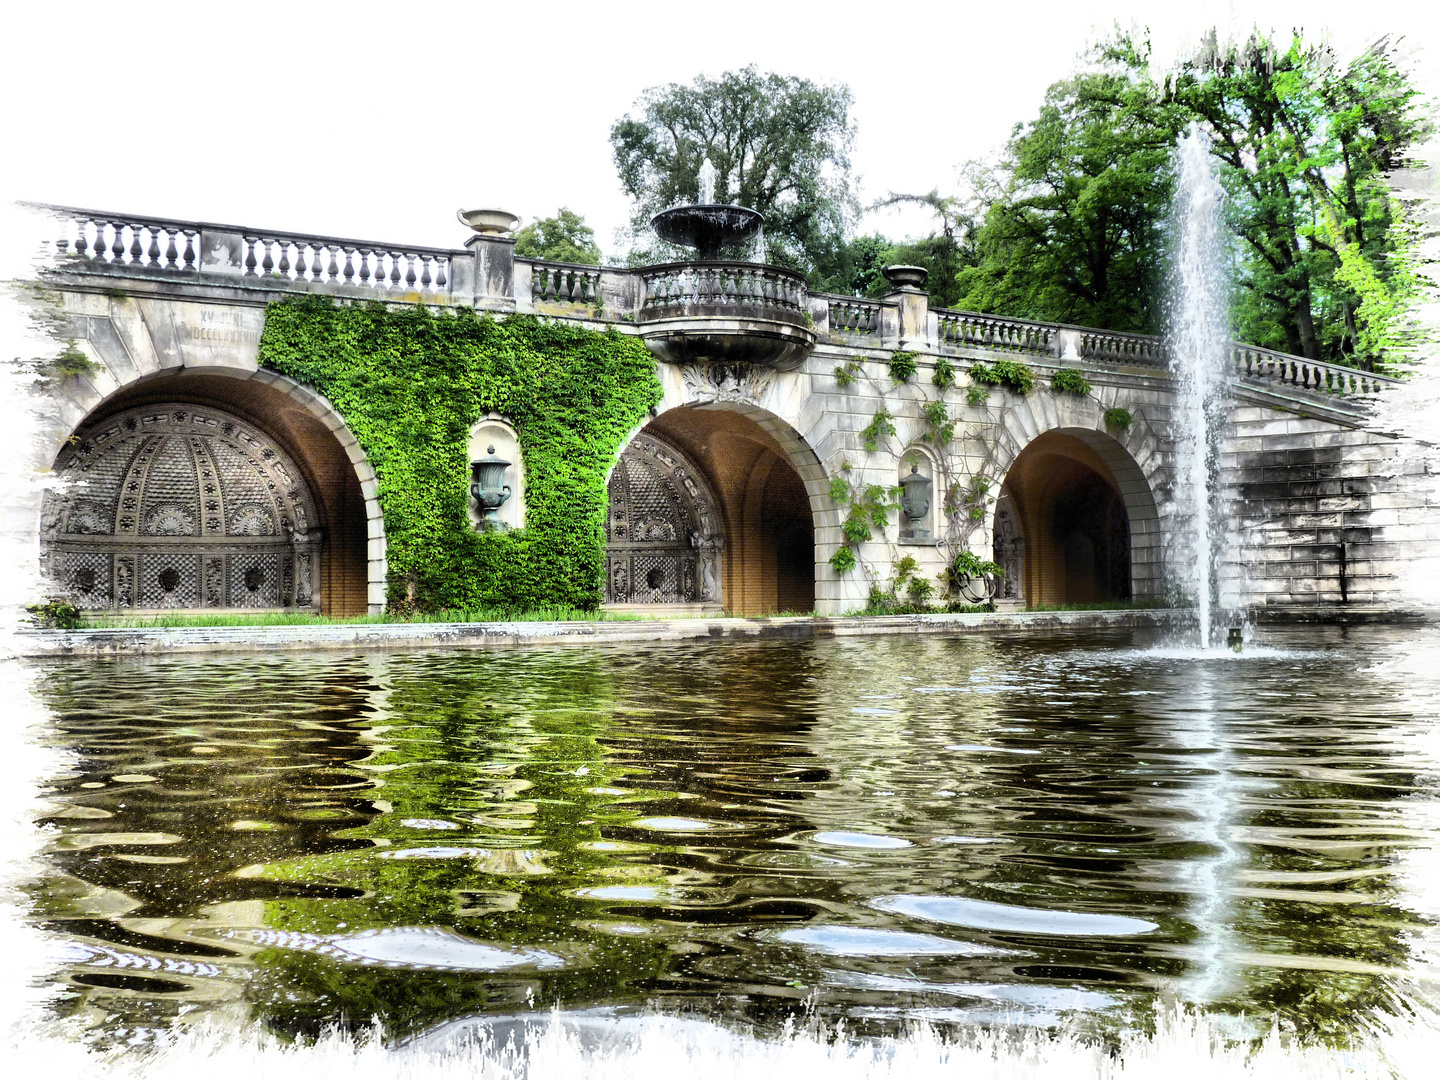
{"type": "Point", "coordinates": [411, 382]}
{"type": "Point", "coordinates": [1017, 376]}
{"type": "Point", "coordinates": [902, 366]}
{"type": "Point", "coordinates": [881, 425]}
{"type": "Point", "coordinates": [1070, 381]}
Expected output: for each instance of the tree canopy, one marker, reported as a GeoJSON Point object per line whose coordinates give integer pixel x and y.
{"type": "Point", "coordinates": [779, 145]}
{"type": "Point", "coordinates": [1326, 264]}
{"type": "Point", "coordinates": [563, 238]}
{"type": "Point", "coordinates": [1075, 224]}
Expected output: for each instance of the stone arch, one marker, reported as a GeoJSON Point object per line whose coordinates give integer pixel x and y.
{"type": "Point", "coordinates": [761, 405]}
{"type": "Point", "coordinates": [1130, 461]}
{"type": "Point", "coordinates": [347, 548]}
{"type": "Point", "coordinates": [771, 496]}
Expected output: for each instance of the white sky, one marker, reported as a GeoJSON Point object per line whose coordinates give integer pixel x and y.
{"type": "Point", "coordinates": [378, 122]}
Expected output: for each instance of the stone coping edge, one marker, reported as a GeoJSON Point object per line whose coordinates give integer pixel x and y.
{"type": "Point", "coordinates": [138, 641]}
{"type": "Point", "coordinates": [109, 642]}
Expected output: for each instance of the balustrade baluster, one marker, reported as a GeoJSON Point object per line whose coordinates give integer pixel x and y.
{"type": "Point", "coordinates": [192, 246]}
{"type": "Point", "coordinates": [250, 264]}
{"type": "Point", "coordinates": [349, 264]}
{"type": "Point", "coordinates": [284, 264]}
{"type": "Point", "coordinates": [425, 277]}
{"type": "Point", "coordinates": [152, 253]}
{"type": "Point", "coordinates": [365, 254]}
{"type": "Point", "coordinates": [117, 249]}
{"type": "Point", "coordinates": [80, 244]}
{"type": "Point", "coordinates": [440, 280]}
{"type": "Point", "coordinates": [136, 251]}
{"type": "Point", "coordinates": [395, 270]}
{"type": "Point", "coordinates": [172, 256]}
{"type": "Point", "coordinates": [267, 264]}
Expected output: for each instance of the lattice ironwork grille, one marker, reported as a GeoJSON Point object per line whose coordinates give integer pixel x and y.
{"type": "Point", "coordinates": [177, 506]}
{"type": "Point", "coordinates": [661, 529]}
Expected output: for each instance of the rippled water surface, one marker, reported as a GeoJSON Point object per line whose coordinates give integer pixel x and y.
{"type": "Point", "coordinates": [962, 829]}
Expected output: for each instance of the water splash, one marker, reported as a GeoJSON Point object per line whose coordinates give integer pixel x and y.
{"type": "Point", "coordinates": [707, 183]}
{"type": "Point", "coordinates": [1199, 340]}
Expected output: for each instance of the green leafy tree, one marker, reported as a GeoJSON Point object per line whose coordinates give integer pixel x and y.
{"type": "Point", "coordinates": [779, 144]}
{"type": "Point", "coordinates": [1327, 262]}
{"type": "Point", "coordinates": [1074, 227]}
{"type": "Point", "coordinates": [562, 238]}
{"type": "Point", "coordinates": [852, 267]}
{"type": "Point", "coordinates": [947, 251]}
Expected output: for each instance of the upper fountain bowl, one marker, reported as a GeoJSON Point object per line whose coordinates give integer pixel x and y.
{"type": "Point", "coordinates": [707, 227]}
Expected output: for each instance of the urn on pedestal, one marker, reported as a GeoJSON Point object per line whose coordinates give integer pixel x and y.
{"type": "Point", "coordinates": [488, 487]}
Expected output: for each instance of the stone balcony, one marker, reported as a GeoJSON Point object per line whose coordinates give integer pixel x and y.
{"type": "Point", "coordinates": [726, 312]}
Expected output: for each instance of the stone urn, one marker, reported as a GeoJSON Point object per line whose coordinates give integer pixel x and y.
{"type": "Point", "coordinates": [488, 487]}
{"type": "Point", "coordinates": [915, 505]}
{"type": "Point", "coordinates": [906, 277]}
{"type": "Point", "coordinates": [489, 222]}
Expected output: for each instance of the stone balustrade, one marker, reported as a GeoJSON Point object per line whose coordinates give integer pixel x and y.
{"type": "Point", "coordinates": [1269, 366]}
{"type": "Point", "coordinates": [996, 332]}
{"type": "Point", "coordinates": [720, 285]}
{"type": "Point", "coordinates": [142, 245]}
{"type": "Point", "coordinates": [1144, 350]}
{"type": "Point", "coordinates": [860, 318]}
{"type": "Point", "coordinates": [563, 283]}
{"type": "Point", "coordinates": [770, 302]}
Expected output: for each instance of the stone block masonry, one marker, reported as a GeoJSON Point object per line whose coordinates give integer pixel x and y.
{"type": "Point", "coordinates": [1325, 514]}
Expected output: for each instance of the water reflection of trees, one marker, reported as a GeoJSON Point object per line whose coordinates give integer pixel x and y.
{"type": "Point", "coordinates": [1048, 775]}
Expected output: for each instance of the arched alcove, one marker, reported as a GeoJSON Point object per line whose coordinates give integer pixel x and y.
{"type": "Point", "coordinates": [495, 433]}
{"type": "Point", "coordinates": [1068, 529]}
{"type": "Point", "coordinates": [763, 539]}
{"type": "Point", "coordinates": [286, 494]}
{"type": "Point", "coordinates": [917, 460]}
{"type": "Point", "coordinates": [662, 536]}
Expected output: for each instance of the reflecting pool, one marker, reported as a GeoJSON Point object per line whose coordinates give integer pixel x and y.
{"type": "Point", "coordinates": [964, 829]}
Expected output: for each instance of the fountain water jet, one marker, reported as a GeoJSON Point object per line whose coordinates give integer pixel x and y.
{"type": "Point", "coordinates": [707, 225]}
{"type": "Point", "coordinates": [1199, 341]}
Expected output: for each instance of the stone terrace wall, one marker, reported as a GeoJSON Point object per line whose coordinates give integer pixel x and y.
{"type": "Point", "coordinates": [1326, 514]}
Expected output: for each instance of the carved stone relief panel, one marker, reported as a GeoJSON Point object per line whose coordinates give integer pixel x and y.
{"type": "Point", "coordinates": [1009, 548]}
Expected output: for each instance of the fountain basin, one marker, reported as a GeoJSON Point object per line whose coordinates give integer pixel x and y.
{"type": "Point", "coordinates": [707, 227]}
{"type": "Point", "coordinates": [731, 312]}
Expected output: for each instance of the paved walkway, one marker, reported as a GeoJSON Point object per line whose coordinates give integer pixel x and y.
{"type": "Point", "coordinates": [353, 636]}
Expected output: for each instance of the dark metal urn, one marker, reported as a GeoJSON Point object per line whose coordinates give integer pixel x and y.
{"type": "Point", "coordinates": [915, 504]}
{"type": "Point", "coordinates": [488, 487]}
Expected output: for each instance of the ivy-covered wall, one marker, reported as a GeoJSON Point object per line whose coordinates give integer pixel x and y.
{"type": "Point", "coordinates": [410, 383]}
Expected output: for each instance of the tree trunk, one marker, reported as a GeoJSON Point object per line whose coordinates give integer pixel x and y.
{"type": "Point", "coordinates": [1309, 347]}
